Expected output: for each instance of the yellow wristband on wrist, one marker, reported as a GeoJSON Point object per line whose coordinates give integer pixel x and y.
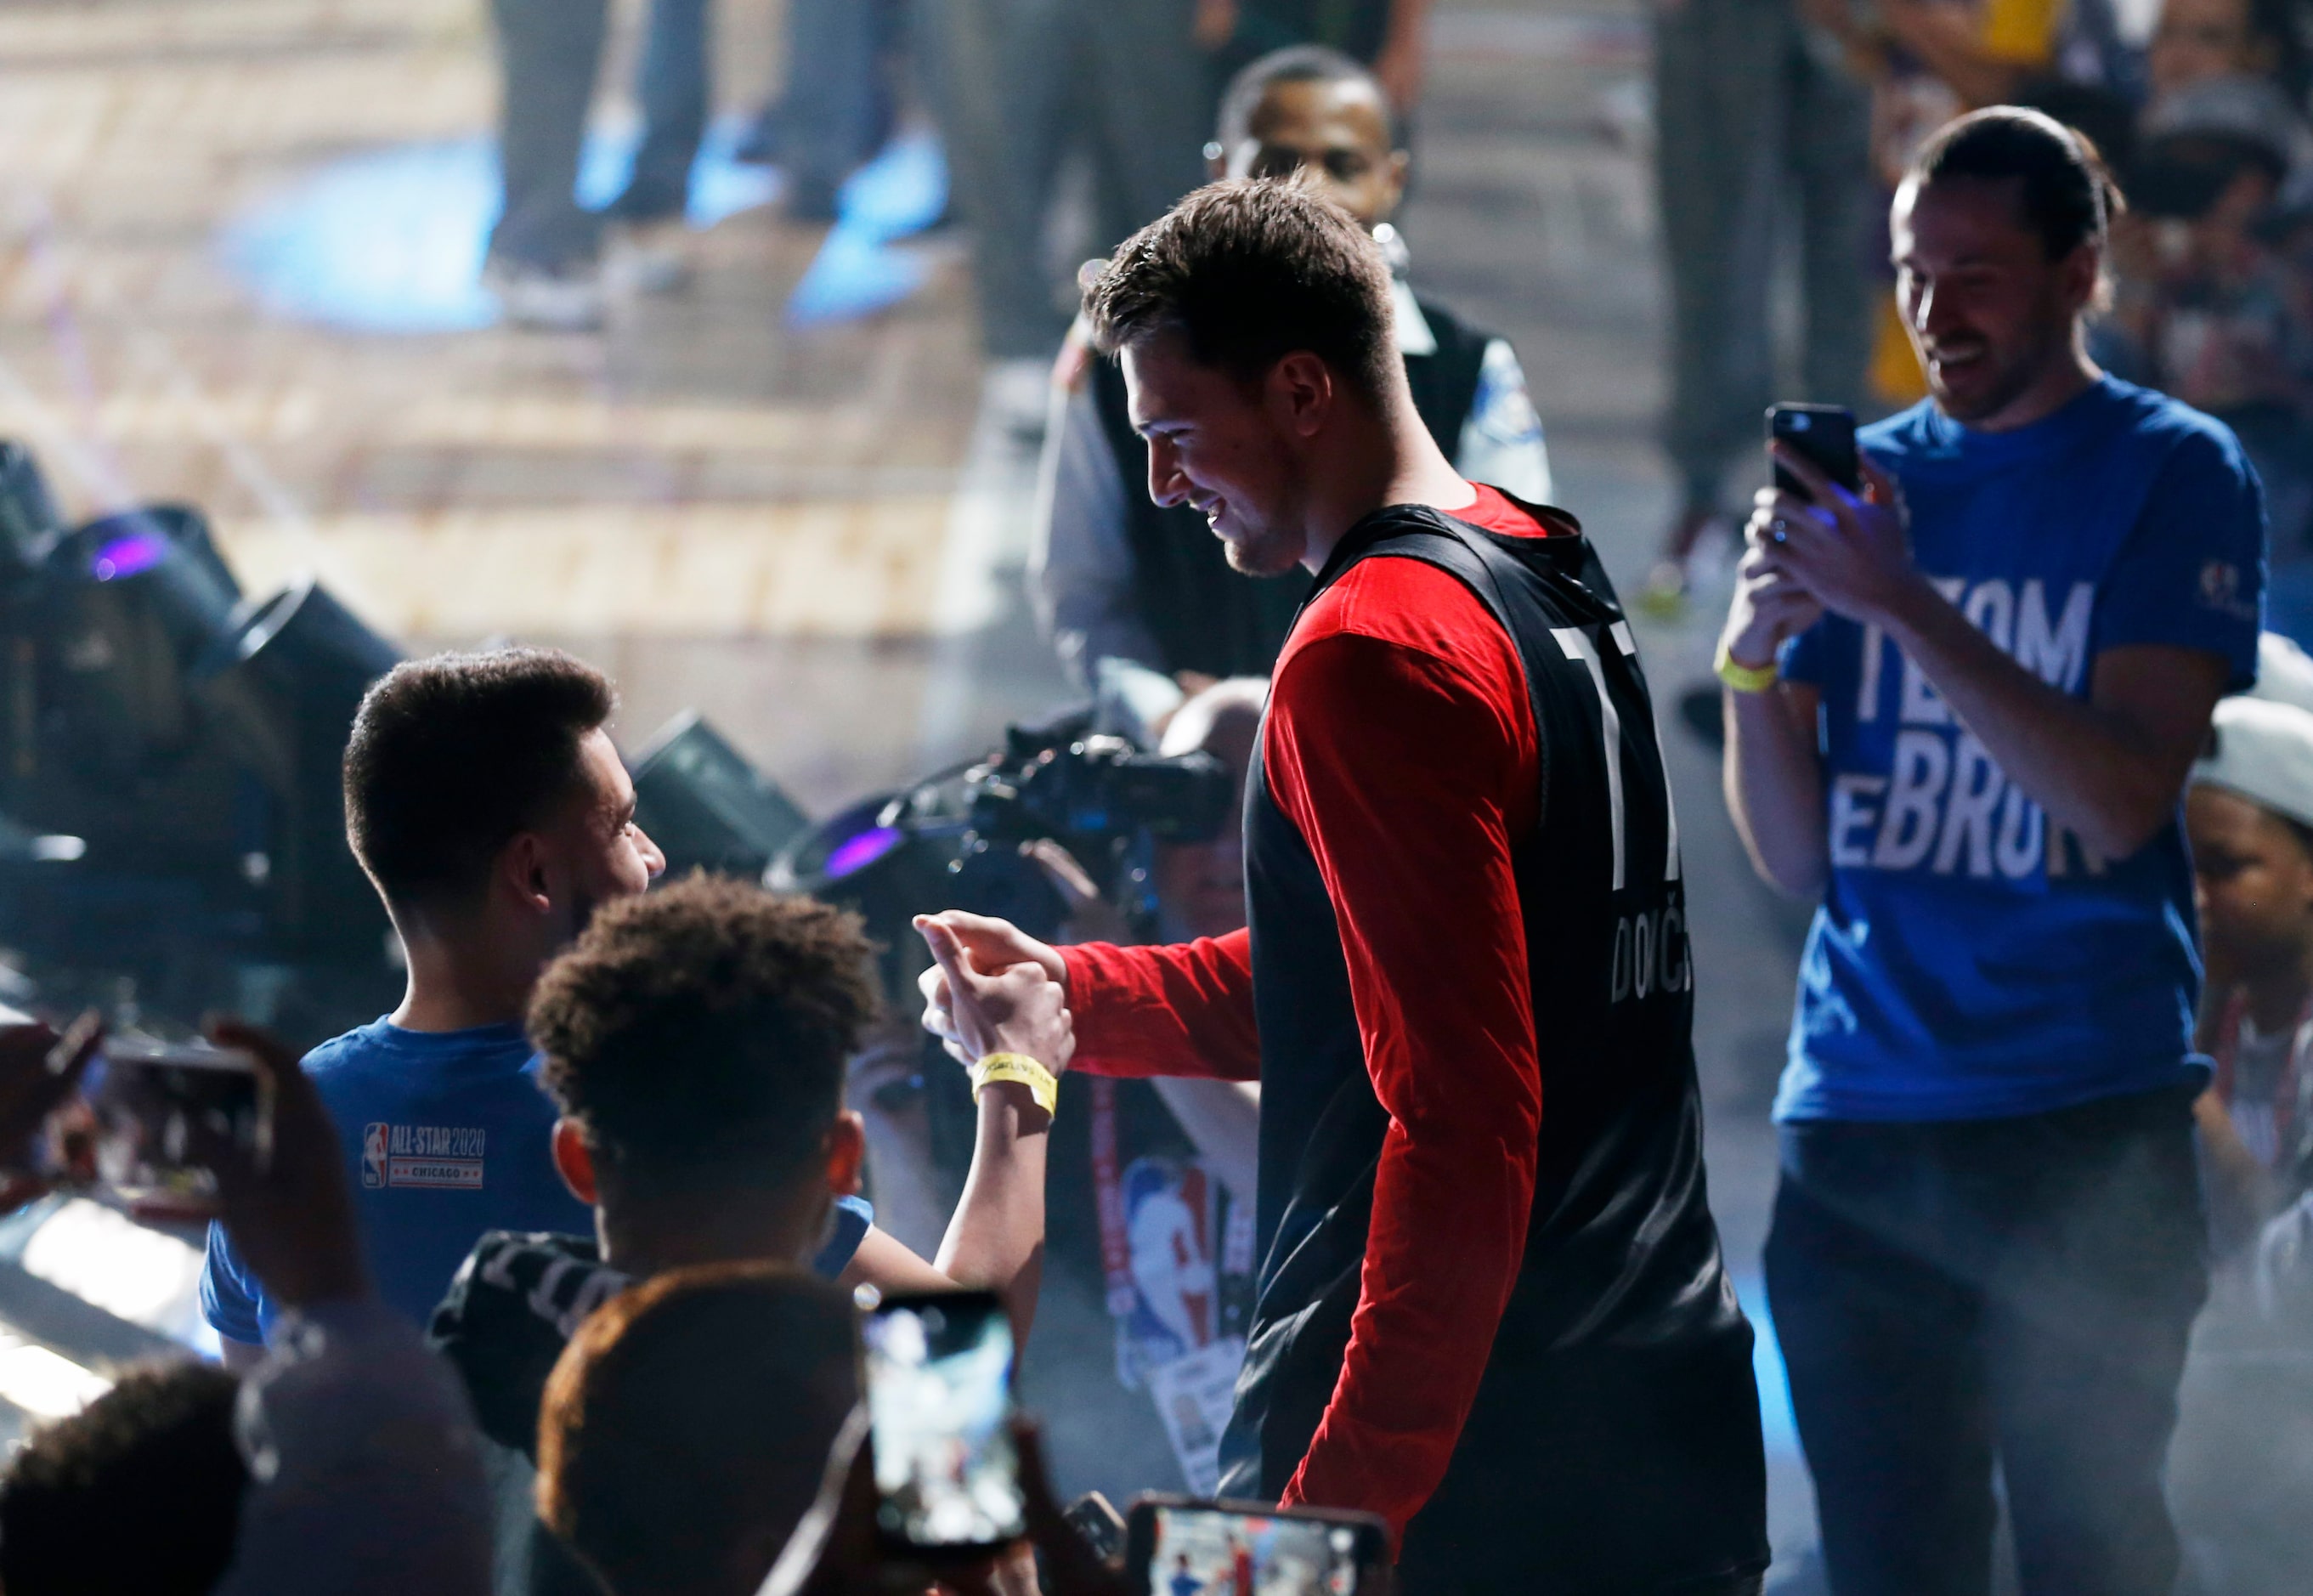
{"type": "Point", "coordinates": [1745, 678]}
{"type": "Point", "coordinates": [1043, 1085]}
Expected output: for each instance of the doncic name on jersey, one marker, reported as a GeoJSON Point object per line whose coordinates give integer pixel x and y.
{"type": "Point", "coordinates": [445, 1157]}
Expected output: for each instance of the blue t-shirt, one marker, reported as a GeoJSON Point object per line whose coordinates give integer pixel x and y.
{"type": "Point", "coordinates": [1966, 963]}
{"type": "Point", "coordinates": [447, 1134]}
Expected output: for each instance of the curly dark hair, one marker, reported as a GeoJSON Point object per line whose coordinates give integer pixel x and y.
{"type": "Point", "coordinates": [1249, 271]}
{"type": "Point", "coordinates": [699, 1032]}
{"type": "Point", "coordinates": [137, 1495]}
{"type": "Point", "coordinates": [450, 757]}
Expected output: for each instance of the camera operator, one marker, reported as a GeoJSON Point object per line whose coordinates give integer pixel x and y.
{"type": "Point", "coordinates": [1199, 892]}
{"type": "Point", "coordinates": [1153, 1181]}
{"type": "Point", "coordinates": [1987, 1240]}
{"type": "Point", "coordinates": [1116, 575]}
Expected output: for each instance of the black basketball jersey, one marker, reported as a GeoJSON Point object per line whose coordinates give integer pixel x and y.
{"type": "Point", "coordinates": [1615, 1441]}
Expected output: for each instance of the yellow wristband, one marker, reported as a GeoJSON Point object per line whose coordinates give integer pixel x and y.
{"type": "Point", "coordinates": [1042, 1083]}
{"type": "Point", "coordinates": [1745, 678]}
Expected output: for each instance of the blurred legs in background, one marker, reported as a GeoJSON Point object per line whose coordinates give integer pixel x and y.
{"type": "Point", "coordinates": [673, 87]}
{"type": "Point", "coordinates": [1148, 100]}
{"type": "Point", "coordinates": [1759, 127]}
{"type": "Point", "coordinates": [542, 252]}
{"type": "Point", "coordinates": [991, 68]}
{"type": "Point", "coordinates": [1010, 79]}
{"type": "Point", "coordinates": [545, 252]}
{"type": "Point", "coordinates": [837, 109]}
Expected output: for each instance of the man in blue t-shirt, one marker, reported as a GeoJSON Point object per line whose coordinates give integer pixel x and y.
{"type": "Point", "coordinates": [1961, 711]}
{"type": "Point", "coordinates": [491, 812]}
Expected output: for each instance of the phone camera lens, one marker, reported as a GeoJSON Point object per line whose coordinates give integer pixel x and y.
{"type": "Point", "coordinates": [1798, 421]}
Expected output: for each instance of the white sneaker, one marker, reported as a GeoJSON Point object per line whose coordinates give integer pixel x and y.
{"type": "Point", "coordinates": [648, 257]}
{"type": "Point", "coordinates": [567, 301]}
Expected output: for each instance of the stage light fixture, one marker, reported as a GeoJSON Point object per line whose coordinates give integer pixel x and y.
{"type": "Point", "coordinates": [706, 807]}
{"type": "Point", "coordinates": [132, 601]}
{"type": "Point", "coordinates": [284, 684]}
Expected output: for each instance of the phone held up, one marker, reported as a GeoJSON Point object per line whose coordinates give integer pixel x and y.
{"type": "Point", "coordinates": [1175, 1546]}
{"type": "Point", "coordinates": [159, 1118]}
{"type": "Point", "coordinates": [1825, 434]}
{"type": "Point", "coordinates": [940, 1407]}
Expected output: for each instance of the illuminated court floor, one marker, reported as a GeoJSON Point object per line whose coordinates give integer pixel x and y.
{"type": "Point", "coordinates": [238, 251]}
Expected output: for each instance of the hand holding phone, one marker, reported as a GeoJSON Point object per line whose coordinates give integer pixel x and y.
{"type": "Point", "coordinates": [291, 1213]}
{"type": "Point", "coordinates": [1822, 433]}
{"type": "Point", "coordinates": [940, 1411]}
{"type": "Point", "coordinates": [165, 1116]}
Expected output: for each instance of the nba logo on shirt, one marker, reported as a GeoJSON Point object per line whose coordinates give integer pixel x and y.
{"type": "Point", "coordinates": [373, 1154]}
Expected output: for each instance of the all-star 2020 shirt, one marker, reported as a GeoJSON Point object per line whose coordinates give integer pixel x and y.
{"type": "Point", "coordinates": [446, 1135]}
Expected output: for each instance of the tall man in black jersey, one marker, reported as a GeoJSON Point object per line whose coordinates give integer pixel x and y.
{"type": "Point", "coordinates": [1491, 1305]}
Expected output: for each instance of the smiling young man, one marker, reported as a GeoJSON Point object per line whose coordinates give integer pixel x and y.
{"type": "Point", "coordinates": [1119, 575]}
{"type": "Point", "coordinates": [1490, 1301]}
{"type": "Point", "coordinates": [1961, 711]}
{"type": "Point", "coordinates": [487, 805]}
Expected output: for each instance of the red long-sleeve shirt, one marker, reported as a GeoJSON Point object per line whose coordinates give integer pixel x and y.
{"type": "Point", "coordinates": [1400, 743]}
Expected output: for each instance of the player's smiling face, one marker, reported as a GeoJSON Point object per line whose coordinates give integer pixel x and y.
{"type": "Point", "coordinates": [1218, 446]}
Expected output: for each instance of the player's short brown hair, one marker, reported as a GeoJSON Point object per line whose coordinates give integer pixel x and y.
{"type": "Point", "coordinates": [1249, 271]}
{"type": "Point", "coordinates": [690, 1419]}
{"type": "Point", "coordinates": [451, 755]}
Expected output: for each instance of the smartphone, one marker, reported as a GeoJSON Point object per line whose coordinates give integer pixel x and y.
{"type": "Point", "coordinates": [1093, 1516]}
{"type": "Point", "coordinates": [1176, 1546]}
{"type": "Point", "coordinates": [1825, 434]}
{"type": "Point", "coordinates": [939, 1410]}
{"type": "Point", "coordinates": [163, 1115]}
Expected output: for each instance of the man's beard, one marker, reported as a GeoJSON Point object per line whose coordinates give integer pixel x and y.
{"type": "Point", "coordinates": [2014, 379]}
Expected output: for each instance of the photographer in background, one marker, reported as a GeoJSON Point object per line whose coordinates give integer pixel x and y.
{"type": "Point", "coordinates": [1961, 711]}
{"type": "Point", "coordinates": [1139, 1272]}
{"type": "Point", "coordinates": [1115, 575]}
